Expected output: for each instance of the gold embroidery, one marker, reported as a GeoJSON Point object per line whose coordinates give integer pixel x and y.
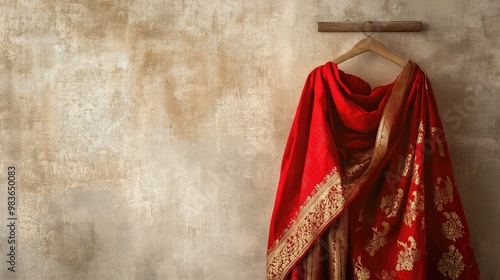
{"type": "Point", "coordinates": [421, 131]}
{"type": "Point", "coordinates": [391, 203]}
{"type": "Point", "coordinates": [325, 203]}
{"type": "Point", "coordinates": [408, 255]}
{"type": "Point", "coordinates": [378, 240]}
{"type": "Point", "coordinates": [408, 159]}
{"type": "Point", "coordinates": [451, 264]}
{"type": "Point", "coordinates": [442, 195]}
{"type": "Point", "coordinates": [339, 247]}
{"type": "Point", "coordinates": [452, 229]}
{"type": "Point", "coordinates": [416, 175]}
{"type": "Point", "coordinates": [434, 131]}
{"type": "Point", "coordinates": [330, 250]}
{"type": "Point", "coordinates": [388, 275]}
{"type": "Point", "coordinates": [413, 210]}
{"type": "Point", "coordinates": [351, 173]}
{"type": "Point", "coordinates": [360, 272]}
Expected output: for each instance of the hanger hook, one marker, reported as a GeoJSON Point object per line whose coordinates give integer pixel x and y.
{"type": "Point", "coordinates": [368, 35]}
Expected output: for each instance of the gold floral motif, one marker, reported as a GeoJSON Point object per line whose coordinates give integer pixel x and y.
{"type": "Point", "coordinates": [408, 255]}
{"type": "Point", "coordinates": [413, 210]}
{"type": "Point", "coordinates": [416, 175]}
{"type": "Point", "coordinates": [388, 275]}
{"type": "Point", "coordinates": [391, 203]}
{"type": "Point", "coordinates": [421, 132]}
{"type": "Point", "coordinates": [451, 264]}
{"type": "Point", "coordinates": [453, 228]}
{"type": "Point", "coordinates": [442, 195]}
{"type": "Point", "coordinates": [360, 272]}
{"type": "Point", "coordinates": [434, 131]}
{"type": "Point", "coordinates": [378, 240]}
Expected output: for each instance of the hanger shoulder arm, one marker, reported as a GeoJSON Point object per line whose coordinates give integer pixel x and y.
{"type": "Point", "coordinates": [360, 47]}
{"type": "Point", "coordinates": [378, 48]}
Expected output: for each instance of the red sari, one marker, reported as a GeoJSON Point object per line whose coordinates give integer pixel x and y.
{"type": "Point", "coordinates": [367, 189]}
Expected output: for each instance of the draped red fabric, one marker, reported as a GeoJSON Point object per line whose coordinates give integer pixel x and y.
{"type": "Point", "coordinates": [367, 189]}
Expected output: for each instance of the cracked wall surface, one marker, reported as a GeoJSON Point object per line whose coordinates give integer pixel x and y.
{"type": "Point", "coordinates": [147, 135]}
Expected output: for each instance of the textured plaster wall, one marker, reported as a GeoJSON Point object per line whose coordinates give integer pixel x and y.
{"type": "Point", "coordinates": [148, 135]}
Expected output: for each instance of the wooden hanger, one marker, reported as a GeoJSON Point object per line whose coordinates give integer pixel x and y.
{"type": "Point", "coordinates": [368, 44]}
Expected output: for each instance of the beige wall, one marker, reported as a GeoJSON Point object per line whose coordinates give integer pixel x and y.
{"type": "Point", "coordinates": [148, 135]}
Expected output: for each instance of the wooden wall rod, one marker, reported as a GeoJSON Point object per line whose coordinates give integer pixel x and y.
{"type": "Point", "coordinates": [370, 26]}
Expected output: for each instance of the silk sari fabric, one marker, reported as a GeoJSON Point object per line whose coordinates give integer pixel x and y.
{"type": "Point", "coordinates": [366, 189]}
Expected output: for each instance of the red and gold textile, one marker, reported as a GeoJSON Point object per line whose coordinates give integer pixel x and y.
{"type": "Point", "coordinates": [367, 189]}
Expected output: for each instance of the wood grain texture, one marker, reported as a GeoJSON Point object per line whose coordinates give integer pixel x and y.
{"type": "Point", "coordinates": [370, 26]}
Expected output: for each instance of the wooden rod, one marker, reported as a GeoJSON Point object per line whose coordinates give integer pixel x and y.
{"type": "Point", "coordinates": [370, 26]}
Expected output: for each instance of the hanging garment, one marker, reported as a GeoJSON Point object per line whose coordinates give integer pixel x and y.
{"type": "Point", "coordinates": [367, 189]}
